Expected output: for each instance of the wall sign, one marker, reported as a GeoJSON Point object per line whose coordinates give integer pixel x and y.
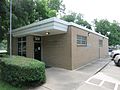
{"type": "Point", "coordinates": [37, 38]}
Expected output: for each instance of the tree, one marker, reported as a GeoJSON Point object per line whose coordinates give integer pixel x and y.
{"type": "Point", "coordinates": [76, 18]}
{"type": "Point", "coordinates": [115, 34]}
{"type": "Point", "coordinates": [70, 17]}
{"type": "Point", "coordinates": [26, 12]}
{"type": "Point", "coordinates": [56, 5]}
{"type": "Point", "coordinates": [3, 14]}
{"type": "Point", "coordinates": [82, 22]}
{"type": "Point", "coordinates": [104, 26]}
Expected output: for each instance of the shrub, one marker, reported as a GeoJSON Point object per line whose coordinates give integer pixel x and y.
{"type": "Point", "coordinates": [22, 71]}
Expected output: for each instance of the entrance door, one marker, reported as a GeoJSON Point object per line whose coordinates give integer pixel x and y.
{"type": "Point", "coordinates": [37, 51]}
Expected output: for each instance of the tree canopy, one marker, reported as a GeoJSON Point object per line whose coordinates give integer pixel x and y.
{"type": "Point", "coordinates": [25, 12]}
{"type": "Point", "coordinates": [112, 30]}
{"type": "Point", "coordinates": [3, 14]}
{"type": "Point", "coordinates": [76, 18]}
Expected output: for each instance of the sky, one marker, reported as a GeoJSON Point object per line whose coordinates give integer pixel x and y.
{"type": "Point", "coordinates": [92, 9]}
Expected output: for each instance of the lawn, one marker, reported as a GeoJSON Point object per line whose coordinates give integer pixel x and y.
{"type": "Point", "coordinates": [5, 86]}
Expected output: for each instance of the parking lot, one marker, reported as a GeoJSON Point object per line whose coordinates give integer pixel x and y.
{"type": "Point", "coordinates": [107, 79]}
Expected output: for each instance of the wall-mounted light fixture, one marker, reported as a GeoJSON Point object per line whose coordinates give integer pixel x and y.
{"type": "Point", "coordinates": [108, 33]}
{"type": "Point", "coordinates": [47, 33]}
{"type": "Point", "coordinates": [88, 33]}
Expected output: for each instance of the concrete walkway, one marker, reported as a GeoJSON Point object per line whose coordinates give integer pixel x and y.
{"type": "Point", "coordinates": [62, 79]}
{"type": "Point", "coordinates": [95, 66]}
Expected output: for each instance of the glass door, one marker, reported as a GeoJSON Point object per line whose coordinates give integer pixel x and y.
{"type": "Point", "coordinates": [37, 47]}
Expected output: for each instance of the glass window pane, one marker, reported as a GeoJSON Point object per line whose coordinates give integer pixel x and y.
{"type": "Point", "coordinates": [22, 46]}
{"type": "Point", "coordinates": [19, 47]}
{"type": "Point", "coordinates": [19, 39]}
{"type": "Point", "coordinates": [24, 54]}
{"type": "Point", "coordinates": [81, 40]}
{"type": "Point", "coordinates": [24, 38]}
{"type": "Point", "coordinates": [19, 53]}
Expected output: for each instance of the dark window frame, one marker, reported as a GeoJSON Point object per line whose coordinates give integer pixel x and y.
{"type": "Point", "coordinates": [22, 46]}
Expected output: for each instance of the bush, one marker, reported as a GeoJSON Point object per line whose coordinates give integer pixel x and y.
{"type": "Point", "coordinates": [22, 71]}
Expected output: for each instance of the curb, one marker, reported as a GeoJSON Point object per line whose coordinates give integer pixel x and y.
{"type": "Point", "coordinates": [101, 68]}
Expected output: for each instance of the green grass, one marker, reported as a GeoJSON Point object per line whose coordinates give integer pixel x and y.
{"type": "Point", "coordinates": [6, 86]}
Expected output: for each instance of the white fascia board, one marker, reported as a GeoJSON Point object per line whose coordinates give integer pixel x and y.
{"type": "Point", "coordinates": [86, 29]}
{"type": "Point", "coordinates": [33, 29]}
{"type": "Point", "coordinates": [59, 26]}
{"type": "Point", "coordinates": [48, 24]}
{"type": "Point", "coordinates": [53, 19]}
{"type": "Point", "coordinates": [30, 31]}
{"type": "Point", "coordinates": [35, 24]}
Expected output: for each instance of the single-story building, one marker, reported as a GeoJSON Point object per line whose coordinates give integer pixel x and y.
{"type": "Point", "coordinates": [59, 43]}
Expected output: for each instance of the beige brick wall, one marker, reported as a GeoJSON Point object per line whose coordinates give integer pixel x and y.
{"type": "Point", "coordinates": [56, 50]}
{"type": "Point", "coordinates": [104, 49]}
{"type": "Point", "coordinates": [30, 47]}
{"type": "Point", "coordinates": [84, 54]}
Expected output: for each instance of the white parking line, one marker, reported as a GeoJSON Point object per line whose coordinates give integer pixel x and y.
{"type": "Point", "coordinates": [103, 78]}
{"type": "Point", "coordinates": [101, 83]}
{"type": "Point", "coordinates": [91, 83]}
{"type": "Point", "coordinates": [116, 86]}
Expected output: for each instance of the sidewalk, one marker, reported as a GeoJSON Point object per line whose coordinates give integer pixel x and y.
{"type": "Point", "coordinates": [62, 79]}
{"type": "Point", "coordinates": [95, 66]}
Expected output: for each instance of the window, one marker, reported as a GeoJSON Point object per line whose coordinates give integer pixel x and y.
{"type": "Point", "coordinates": [100, 43]}
{"type": "Point", "coordinates": [81, 40]}
{"type": "Point", "coordinates": [22, 46]}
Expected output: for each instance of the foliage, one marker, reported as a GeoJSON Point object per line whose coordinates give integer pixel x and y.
{"type": "Point", "coordinates": [70, 17]}
{"type": "Point", "coordinates": [6, 86]}
{"type": "Point", "coordinates": [76, 18]}
{"type": "Point", "coordinates": [3, 15]}
{"type": "Point", "coordinates": [22, 71]}
{"type": "Point", "coordinates": [25, 12]}
{"type": "Point", "coordinates": [3, 45]}
{"type": "Point", "coordinates": [28, 11]}
{"type": "Point", "coordinates": [56, 5]}
{"type": "Point", "coordinates": [104, 26]}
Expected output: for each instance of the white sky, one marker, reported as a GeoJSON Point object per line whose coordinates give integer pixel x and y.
{"type": "Point", "coordinates": [91, 9]}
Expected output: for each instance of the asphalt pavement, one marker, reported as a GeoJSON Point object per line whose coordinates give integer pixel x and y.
{"type": "Point", "coordinates": [107, 79]}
